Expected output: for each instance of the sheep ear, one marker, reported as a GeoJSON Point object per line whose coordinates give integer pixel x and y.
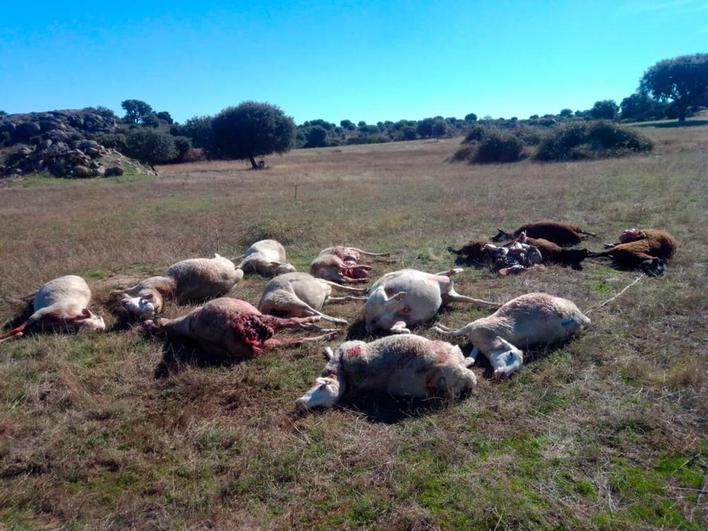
{"type": "Point", "coordinates": [328, 354]}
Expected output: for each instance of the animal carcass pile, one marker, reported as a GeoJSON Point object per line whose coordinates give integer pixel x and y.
{"type": "Point", "coordinates": [397, 304]}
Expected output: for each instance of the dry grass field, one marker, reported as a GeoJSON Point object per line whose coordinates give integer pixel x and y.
{"type": "Point", "coordinates": [605, 432]}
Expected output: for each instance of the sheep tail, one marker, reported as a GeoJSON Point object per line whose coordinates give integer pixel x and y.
{"type": "Point", "coordinates": [615, 297]}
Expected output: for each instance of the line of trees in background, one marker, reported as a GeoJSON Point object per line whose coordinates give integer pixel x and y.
{"type": "Point", "coordinates": [673, 88]}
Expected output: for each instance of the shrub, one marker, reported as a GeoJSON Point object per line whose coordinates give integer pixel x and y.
{"type": "Point", "coordinates": [640, 106]}
{"type": "Point", "coordinates": [463, 153]}
{"type": "Point", "coordinates": [605, 109]}
{"type": "Point", "coordinates": [198, 130]}
{"type": "Point", "coordinates": [439, 128]}
{"type": "Point", "coordinates": [150, 146]}
{"type": "Point", "coordinates": [194, 155]}
{"type": "Point", "coordinates": [425, 127]}
{"type": "Point", "coordinates": [317, 137]}
{"type": "Point", "coordinates": [182, 145]}
{"type": "Point", "coordinates": [476, 133]}
{"type": "Point", "coordinates": [498, 147]}
{"type": "Point", "coordinates": [531, 136]}
{"type": "Point", "coordinates": [612, 138]}
{"type": "Point", "coordinates": [165, 117]}
{"type": "Point", "coordinates": [113, 141]}
{"type": "Point", "coordinates": [113, 171]}
{"type": "Point", "coordinates": [595, 140]}
{"type": "Point", "coordinates": [408, 132]}
{"type": "Point", "coordinates": [151, 120]}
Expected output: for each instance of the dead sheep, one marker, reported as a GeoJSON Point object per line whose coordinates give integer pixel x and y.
{"type": "Point", "coordinates": [341, 264]}
{"type": "Point", "coordinates": [266, 258]}
{"type": "Point", "coordinates": [233, 328]}
{"type": "Point", "coordinates": [563, 234]}
{"type": "Point", "coordinates": [302, 295]}
{"type": "Point", "coordinates": [195, 279]}
{"type": "Point", "coordinates": [647, 249]}
{"type": "Point", "coordinates": [60, 305]}
{"type": "Point", "coordinates": [531, 319]}
{"type": "Point", "coordinates": [408, 297]}
{"type": "Point", "coordinates": [403, 366]}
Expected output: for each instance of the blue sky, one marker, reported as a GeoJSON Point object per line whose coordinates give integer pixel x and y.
{"type": "Point", "coordinates": [342, 59]}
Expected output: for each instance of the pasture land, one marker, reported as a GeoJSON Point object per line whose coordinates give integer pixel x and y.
{"type": "Point", "coordinates": [606, 432]}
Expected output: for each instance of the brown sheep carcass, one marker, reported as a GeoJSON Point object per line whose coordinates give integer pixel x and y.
{"type": "Point", "coordinates": [563, 234]}
{"type": "Point", "coordinates": [648, 249]}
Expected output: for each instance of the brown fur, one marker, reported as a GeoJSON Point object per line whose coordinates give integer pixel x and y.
{"type": "Point", "coordinates": [658, 243]}
{"type": "Point", "coordinates": [650, 252]}
{"type": "Point", "coordinates": [555, 254]}
{"type": "Point", "coordinates": [563, 234]}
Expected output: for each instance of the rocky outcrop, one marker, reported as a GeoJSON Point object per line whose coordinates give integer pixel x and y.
{"type": "Point", "coordinates": [62, 143]}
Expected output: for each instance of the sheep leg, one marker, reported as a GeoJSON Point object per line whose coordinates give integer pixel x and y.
{"type": "Point", "coordinates": [281, 323]}
{"type": "Point", "coordinates": [346, 277]}
{"type": "Point", "coordinates": [504, 357]}
{"type": "Point", "coordinates": [296, 305]}
{"type": "Point", "coordinates": [294, 342]}
{"type": "Point", "coordinates": [450, 332]}
{"type": "Point", "coordinates": [453, 296]}
{"type": "Point", "coordinates": [345, 298]}
{"type": "Point", "coordinates": [367, 253]}
{"type": "Point", "coordinates": [344, 288]}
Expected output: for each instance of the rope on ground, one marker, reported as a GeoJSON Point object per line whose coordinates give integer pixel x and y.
{"type": "Point", "coordinates": [611, 299]}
